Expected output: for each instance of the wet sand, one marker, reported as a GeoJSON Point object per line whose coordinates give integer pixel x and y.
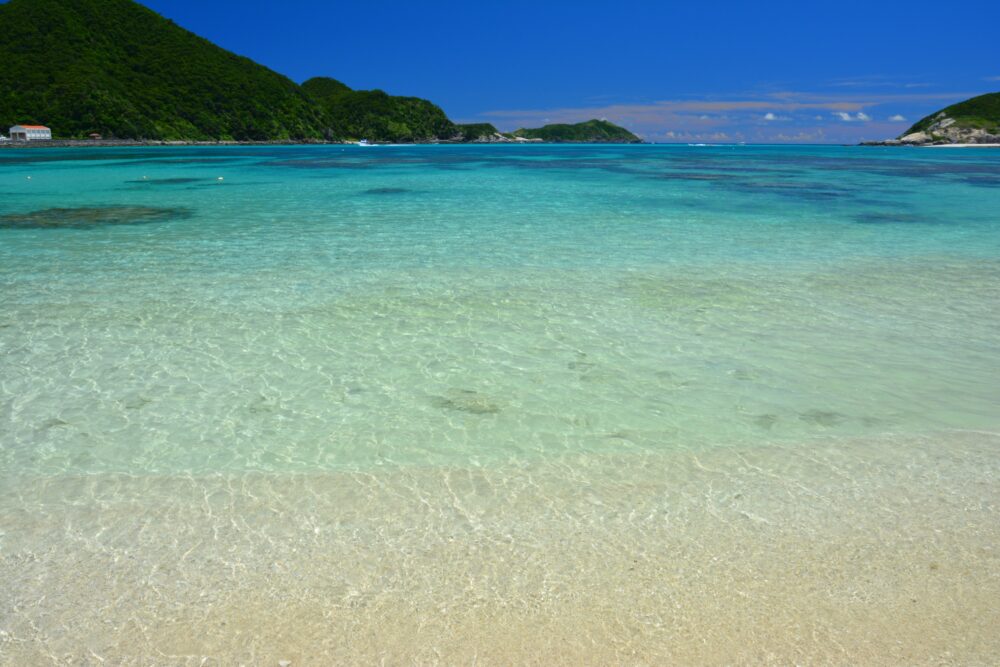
{"type": "Point", "coordinates": [844, 552]}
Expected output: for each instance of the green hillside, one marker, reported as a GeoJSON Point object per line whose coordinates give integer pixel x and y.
{"type": "Point", "coordinates": [117, 68]}
{"type": "Point", "coordinates": [477, 131]}
{"type": "Point", "coordinates": [323, 87]}
{"type": "Point", "coordinates": [591, 131]}
{"type": "Point", "coordinates": [982, 112]}
{"type": "Point", "coordinates": [376, 115]}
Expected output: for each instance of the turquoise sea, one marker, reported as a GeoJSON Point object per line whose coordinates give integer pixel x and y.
{"type": "Point", "coordinates": [499, 404]}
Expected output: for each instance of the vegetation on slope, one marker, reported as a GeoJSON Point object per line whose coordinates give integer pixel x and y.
{"type": "Point", "coordinates": [477, 131]}
{"type": "Point", "coordinates": [591, 131]}
{"type": "Point", "coordinates": [116, 68]}
{"type": "Point", "coordinates": [982, 112]}
{"type": "Point", "coordinates": [323, 87]}
{"type": "Point", "coordinates": [119, 69]}
{"type": "Point", "coordinates": [378, 116]}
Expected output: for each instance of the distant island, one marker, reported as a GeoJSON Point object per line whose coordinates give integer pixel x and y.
{"type": "Point", "coordinates": [118, 70]}
{"type": "Point", "coordinates": [590, 132]}
{"type": "Point", "coordinates": [975, 121]}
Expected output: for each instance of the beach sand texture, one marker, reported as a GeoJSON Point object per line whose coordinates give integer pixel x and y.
{"type": "Point", "coordinates": [834, 554]}
{"type": "Point", "coordinates": [474, 405]}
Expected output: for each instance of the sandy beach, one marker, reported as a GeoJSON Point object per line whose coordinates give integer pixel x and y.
{"type": "Point", "coordinates": [782, 555]}
{"type": "Point", "coordinates": [547, 405]}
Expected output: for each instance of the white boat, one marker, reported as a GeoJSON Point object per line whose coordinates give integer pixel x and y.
{"type": "Point", "coordinates": [364, 142]}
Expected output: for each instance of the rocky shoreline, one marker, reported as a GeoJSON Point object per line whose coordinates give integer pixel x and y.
{"type": "Point", "coordinates": [924, 142]}
{"type": "Point", "coordinates": [932, 144]}
{"type": "Point", "coordinates": [944, 131]}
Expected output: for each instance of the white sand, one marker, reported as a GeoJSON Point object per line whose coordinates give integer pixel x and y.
{"type": "Point", "coordinates": [877, 552]}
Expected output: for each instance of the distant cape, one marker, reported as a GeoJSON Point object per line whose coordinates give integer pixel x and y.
{"type": "Point", "coordinates": [974, 121]}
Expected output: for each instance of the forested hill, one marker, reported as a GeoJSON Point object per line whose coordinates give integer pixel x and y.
{"type": "Point", "coordinates": [378, 116]}
{"type": "Point", "coordinates": [119, 69]}
{"type": "Point", "coordinates": [591, 131]}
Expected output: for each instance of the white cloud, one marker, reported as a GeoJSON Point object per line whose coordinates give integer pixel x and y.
{"type": "Point", "coordinates": [848, 118]}
{"type": "Point", "coordinates": [897, 118]}
{"type": "Point", "coordinates": [876, 81]}
{"type": "Point", "coordinates": [792, 110]}
{"type": "Point", "coordinates": [991, 78]}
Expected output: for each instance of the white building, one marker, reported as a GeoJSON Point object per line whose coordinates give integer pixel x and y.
{"type": "Point", "coordinates": [30, 133]}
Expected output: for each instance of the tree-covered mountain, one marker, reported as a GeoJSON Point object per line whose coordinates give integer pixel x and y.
{"type": "Point", "coordinates": [591, 132]}
{"type": "Point", "coordinates": [376, 115]}
{"type": "Point", "coordinates": [119, 69]}
{"type": "Point", "coordinates": [974, 121]}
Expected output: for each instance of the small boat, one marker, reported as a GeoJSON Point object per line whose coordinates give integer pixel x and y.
{"type": "Point", "coordinates": [365, 142]}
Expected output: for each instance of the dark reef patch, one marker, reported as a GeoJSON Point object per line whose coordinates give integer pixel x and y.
{"type": "Point", "coordinates": [766, 421]}
{"type": "Point", "coordinates": [166, 181]}
{"type": "Point", "coordinates": [465, 400]}
{"type": "Point", "coordinates": [890, 217]}
{"type": "Point", "coordinates": [983, 181]}
{"type": "Point", "coordinates": [692, 176]}
{"type": "Point", "coordinates": [13, 159]}
{"type": "Point", "coordinates": [186, 160]}
{"type": "Point", "coordinates": [824, 418]}
{"type": "Point", "coordinates": [386, 191]}
{"type": "Point", "coordinates": [347, 162]}
{"type": "Point", "coordinates": [351, 163]}
{"type": "Point", "coordinates": [88, 217]}
{"type": "Point", "coordinates": [919, 169]}
{"type": "Point", "coordinates": [792, 189]}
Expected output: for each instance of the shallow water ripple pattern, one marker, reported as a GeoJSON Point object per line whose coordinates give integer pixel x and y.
{"type": "Point", "coordinates": [446, 404]}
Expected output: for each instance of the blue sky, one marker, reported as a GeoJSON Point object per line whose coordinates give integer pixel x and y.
{"type": "Point", "coordinates": [836, 71]}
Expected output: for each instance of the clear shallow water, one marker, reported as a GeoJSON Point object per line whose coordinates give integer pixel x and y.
{"type": "Point", "coordinates": [306, 354]}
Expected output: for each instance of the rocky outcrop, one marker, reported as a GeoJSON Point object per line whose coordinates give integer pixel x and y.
{"type": "Point", "coordinates": [946, 130]}
{"type": "Point", "coordinates": [942, 133]}
{"type": "Point", "coordinates": [494, 138]}
{"type": "Point", "coordinates": [975, 121]}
